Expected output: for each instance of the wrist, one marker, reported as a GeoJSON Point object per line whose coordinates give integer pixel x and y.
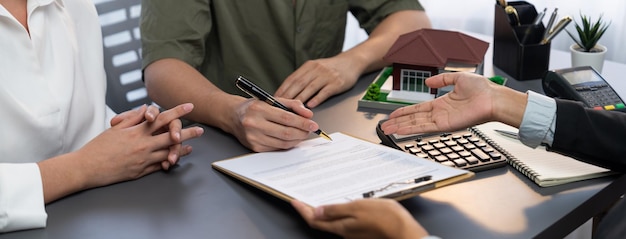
{"type": "Point", "coordinates": [80, 171]}
{"type": "Point", "coordinates": [359, 60]}
{"type": "Point", "coordinates": [412, 229]}
{"type": "Point", "coordinates": [509, 106]}
{"type": "Point", "coordinates": [230, 111]}
{"type": "Point", "coordinates": [224, 113]}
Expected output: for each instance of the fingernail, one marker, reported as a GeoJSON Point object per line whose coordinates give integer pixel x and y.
{"type": "Point", "coordinates": [140, 108]}
{"type": "Point", "coordinates": [312, 127]}
{"type": "Point", "coordinates": [173, 158]}
{"type": "Point", "coordinates": [199, 131]}
{"type": "Point", "coordinates": [177, 136]}
{"type": "Point", "coordinates": [188, 107]}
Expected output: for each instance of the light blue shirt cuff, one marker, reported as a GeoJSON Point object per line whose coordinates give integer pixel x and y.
{"type": "Point", "coordinates": [539, 120]}
{"type": "Point", "coordinates": [431, 237]}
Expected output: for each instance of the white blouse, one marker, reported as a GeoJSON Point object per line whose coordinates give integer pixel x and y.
{"type": "Point", "coordinates": [52, 99]}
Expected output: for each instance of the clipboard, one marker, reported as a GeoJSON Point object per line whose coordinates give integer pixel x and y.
{"type": "Point", "coordinates": [316, 158]}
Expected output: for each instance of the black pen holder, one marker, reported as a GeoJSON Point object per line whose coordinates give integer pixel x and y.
{"type": "Point", "coordinates": [517, 48]}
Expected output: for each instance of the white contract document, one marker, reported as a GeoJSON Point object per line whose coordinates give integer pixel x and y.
{"type": "Point", "coordinates": [319, 171]}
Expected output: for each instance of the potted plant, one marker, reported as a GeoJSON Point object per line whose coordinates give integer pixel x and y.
{"type": "Point", "coordinates": [586, 51]}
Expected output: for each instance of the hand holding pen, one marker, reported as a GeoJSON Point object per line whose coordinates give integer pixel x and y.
{"type": "Point", "coordinates": [251, 89]}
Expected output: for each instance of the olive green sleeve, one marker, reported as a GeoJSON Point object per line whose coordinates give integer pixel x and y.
{"type": "Point", "coordinates": [174, 29]}
{"type": "Point", "coordinates": [371, 13]}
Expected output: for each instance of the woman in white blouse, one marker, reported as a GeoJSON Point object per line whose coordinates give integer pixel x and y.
{"type": "Point", "coordinates": [54, 133]}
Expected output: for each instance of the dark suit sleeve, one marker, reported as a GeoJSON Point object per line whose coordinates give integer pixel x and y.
{"type": "Point", "coordinates": [593, 136]}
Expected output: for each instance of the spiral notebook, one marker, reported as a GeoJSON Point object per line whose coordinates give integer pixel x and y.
{"type": "Point", "coordinates": [543, 167]}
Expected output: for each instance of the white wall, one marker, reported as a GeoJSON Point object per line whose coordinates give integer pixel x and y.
{"type": "Point", "coordinates": [477, 16]}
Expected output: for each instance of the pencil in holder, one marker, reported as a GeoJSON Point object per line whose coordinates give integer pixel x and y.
{"type": "Point", "coordinates": [517, 48]}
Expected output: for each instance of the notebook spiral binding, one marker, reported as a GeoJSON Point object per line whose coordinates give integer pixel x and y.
{"type": "Point", "coordinates": [517, 164]}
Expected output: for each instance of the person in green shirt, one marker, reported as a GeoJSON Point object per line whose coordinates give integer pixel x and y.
{"type": "Point", "coordinates": [192, 51]}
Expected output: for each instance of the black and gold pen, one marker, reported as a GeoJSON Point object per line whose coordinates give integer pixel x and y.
{"type": "Point", "coordinates": [251, 89]}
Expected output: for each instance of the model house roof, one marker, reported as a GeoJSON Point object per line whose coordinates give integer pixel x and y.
{"type": "Point", "coordinates": [431, 47]}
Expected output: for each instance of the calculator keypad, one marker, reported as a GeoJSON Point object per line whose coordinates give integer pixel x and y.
{"type": "Point", "coordinates": [600, 96]}
{"type": "Point", "coordinates": [460, 149]}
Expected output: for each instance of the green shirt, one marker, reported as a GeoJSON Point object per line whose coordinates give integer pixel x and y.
{"type": "Point", "coordinates": [262, 40]}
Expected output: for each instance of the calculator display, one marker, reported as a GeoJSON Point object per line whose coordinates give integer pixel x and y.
{"type": "Point", "coordinates": [582, 76]}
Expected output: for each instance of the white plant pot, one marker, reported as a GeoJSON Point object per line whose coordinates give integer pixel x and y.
{"type": "Point", "coordinates": [593, 59]}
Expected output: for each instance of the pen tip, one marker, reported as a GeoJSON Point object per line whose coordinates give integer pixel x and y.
{"type": "Point", "coordinates": [323, 134]}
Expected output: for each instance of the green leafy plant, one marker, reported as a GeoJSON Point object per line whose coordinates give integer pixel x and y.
{"type": "Point", "coordinates": [589, 32]}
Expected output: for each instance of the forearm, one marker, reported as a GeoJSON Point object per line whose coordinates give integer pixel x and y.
{"type": "Point", "coordinates": [171, 82]}
{"type": "Point", "coordinates": [367, 56]}
{"type": "Point", "coordinates": [62, 176]}
{"type": "Point", "coordinates": [592, 136]}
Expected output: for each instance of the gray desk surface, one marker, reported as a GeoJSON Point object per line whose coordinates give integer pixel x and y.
{"type": "Point", "coordinates": [195, 201]}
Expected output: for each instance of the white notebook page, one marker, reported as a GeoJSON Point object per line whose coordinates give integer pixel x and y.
{"type": "Point", "coordinates": [549, 168]}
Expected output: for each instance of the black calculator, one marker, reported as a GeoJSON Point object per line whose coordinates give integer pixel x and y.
{"type": "Point", "coordinates": [583, 84]}
{"type": "Point", "coordinates": [465, 149]}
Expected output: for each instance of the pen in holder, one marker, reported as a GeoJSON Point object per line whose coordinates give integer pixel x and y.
{"type": "Point", "coordinates": [517, 48]}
